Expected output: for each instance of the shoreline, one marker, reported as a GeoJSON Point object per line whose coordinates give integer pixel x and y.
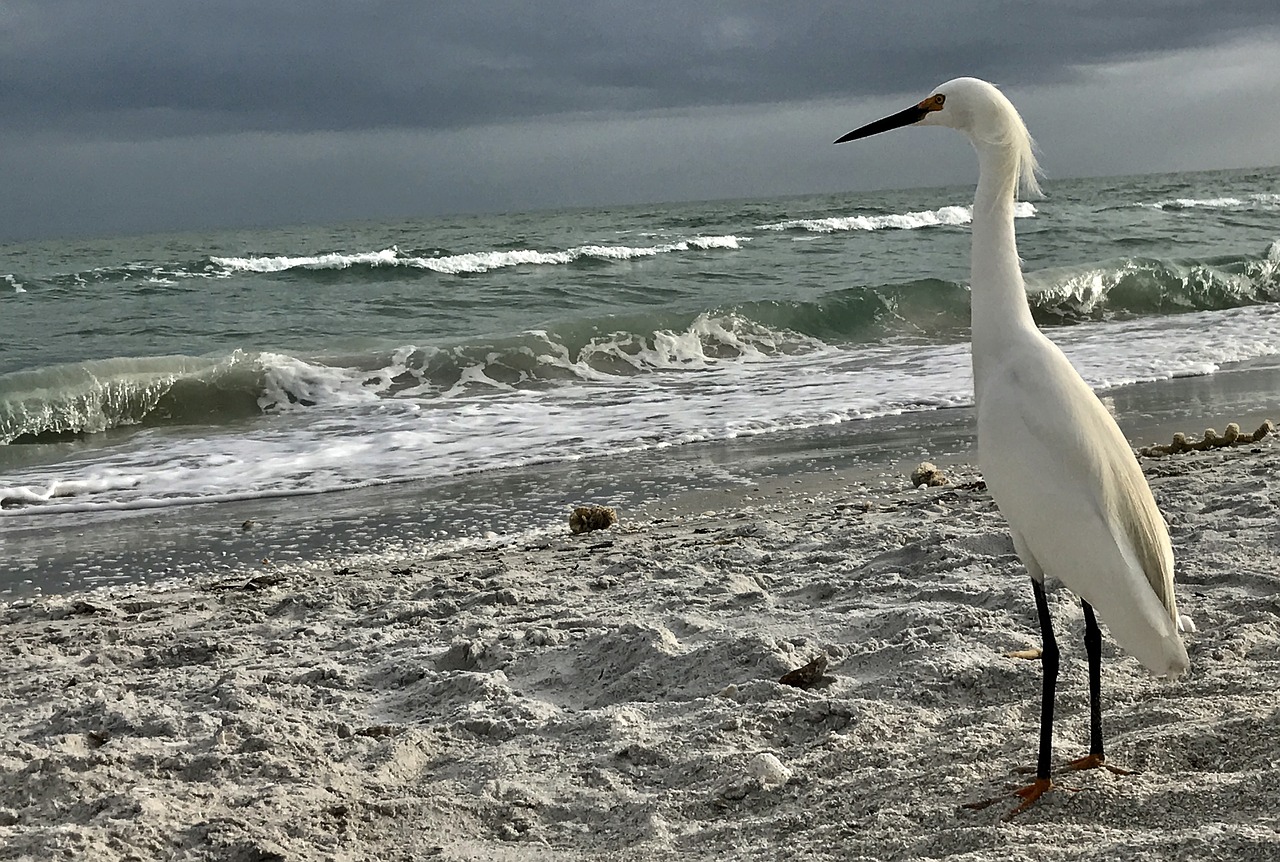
{"type": "Point", "coordinates": [56, 553]}
{"type": "Point", "coordinates": [615, 695]}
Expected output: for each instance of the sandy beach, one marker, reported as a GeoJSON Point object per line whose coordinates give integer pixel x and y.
{"type": "Point", "coordinates": [616, 695]}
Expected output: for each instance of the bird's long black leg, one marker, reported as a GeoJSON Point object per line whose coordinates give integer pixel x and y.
{"type": "Point", "coordinates": [1093, 648]}
{"type": "Point", "coordinates": [1049, 661]}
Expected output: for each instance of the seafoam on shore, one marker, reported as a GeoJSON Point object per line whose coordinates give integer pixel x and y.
{"type": "Point", "coordinates": [615, 695]}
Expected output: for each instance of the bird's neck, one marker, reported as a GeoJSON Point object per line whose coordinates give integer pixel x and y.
{"type": "Point", "coordinates": [1000, 314]}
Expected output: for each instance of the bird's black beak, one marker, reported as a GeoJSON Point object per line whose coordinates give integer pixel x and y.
{"type": "Point", "coordinates": [914, 114]}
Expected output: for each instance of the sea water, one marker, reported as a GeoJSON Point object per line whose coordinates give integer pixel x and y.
{"type": "Point", "coordinates": [445, 379]}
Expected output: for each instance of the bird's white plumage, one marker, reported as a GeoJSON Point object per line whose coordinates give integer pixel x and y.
{"type": "Point", "coordinates": [1056, 463]}
{"type": "Point", "coordinates": [1064, 479]}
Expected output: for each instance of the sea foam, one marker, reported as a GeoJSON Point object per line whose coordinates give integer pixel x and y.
{"type": "Point", "coordinates": [472, 262]}
{"type": "Point", "coordinates": [944, 216]}
{"type": "Point", "coordinates": [1262, 199]}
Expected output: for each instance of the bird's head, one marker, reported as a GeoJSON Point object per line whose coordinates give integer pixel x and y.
{"type": "Point", "coordinates": [976, 108]}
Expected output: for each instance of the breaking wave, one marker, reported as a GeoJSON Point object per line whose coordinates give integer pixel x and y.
{"type": "Point", "coordinates": [72, 400]}
{"type": "Point", "coordinates": [1260, 199]}
{"type": "Point", "coordinates": [65, 402]}
{"type": "Point", "coordinates": [471, 262]}
{"type": "Point", "coordinates": [944, 216]}
{"type": "Point", "coordinates": [1143, 286]}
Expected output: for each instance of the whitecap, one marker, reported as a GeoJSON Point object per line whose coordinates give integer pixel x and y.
{"type": "Point", "coordinates": [486, 261]}
{"type": "Point", "coordinates": [948, 216]}
{"type": "Point", "coordinates": [1190, 203]}
{"type": "Point", "coordinates": [333, 260]}
{"type": "Point", "coordinates": [470, 262]}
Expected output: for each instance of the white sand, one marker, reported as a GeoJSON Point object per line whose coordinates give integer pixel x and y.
{"type": "Point", "coordinates": [614, 696]}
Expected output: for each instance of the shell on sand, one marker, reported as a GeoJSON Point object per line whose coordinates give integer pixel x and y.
{"type": "Point", "coordinates": [926, 473]}
{"type": "Point", "coordinates": [584, 519]}
{"type": "Point", "coordinates": [807, 676]}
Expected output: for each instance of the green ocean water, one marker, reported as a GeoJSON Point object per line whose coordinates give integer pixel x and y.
{"type": "Point", "coordinates": [165, 376]}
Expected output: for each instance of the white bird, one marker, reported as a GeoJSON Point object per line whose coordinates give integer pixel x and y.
{"type": "Point", "coordinates": [1056, 463]}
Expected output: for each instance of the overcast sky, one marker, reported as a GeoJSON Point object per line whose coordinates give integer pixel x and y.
{"type": "Point", "coordinates": [125, 116]}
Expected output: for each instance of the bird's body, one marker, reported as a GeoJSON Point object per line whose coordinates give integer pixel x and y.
{"type": "Point", "coordinates": [1079, 508]}
{"type": "Point", "coordinates": [1056, 463]}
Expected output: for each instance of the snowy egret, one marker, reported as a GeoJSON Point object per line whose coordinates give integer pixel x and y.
{"type": "Point", "coordinates": [1056, 463]}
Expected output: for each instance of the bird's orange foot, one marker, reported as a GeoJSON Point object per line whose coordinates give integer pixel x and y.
{"type": "Point", "coordinates": [1028, 795]}
{"type": "Point", "coordinates": [1093, 761]}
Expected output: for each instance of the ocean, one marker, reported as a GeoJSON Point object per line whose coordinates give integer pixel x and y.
{"type": "Point", "coordinates": [185, 403]}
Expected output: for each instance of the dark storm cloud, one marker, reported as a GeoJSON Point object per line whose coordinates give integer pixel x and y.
{"type": "Point", "coordinates": [131, 116]}
{"type": "Point", "coordinates": [156, 69]}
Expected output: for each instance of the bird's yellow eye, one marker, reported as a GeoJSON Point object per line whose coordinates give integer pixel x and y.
{"type": "Point", "coordinates": [933, 103]}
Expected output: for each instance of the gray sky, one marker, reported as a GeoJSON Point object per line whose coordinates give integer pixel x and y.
{"type": "Point", "coordinates": [140, 115]}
